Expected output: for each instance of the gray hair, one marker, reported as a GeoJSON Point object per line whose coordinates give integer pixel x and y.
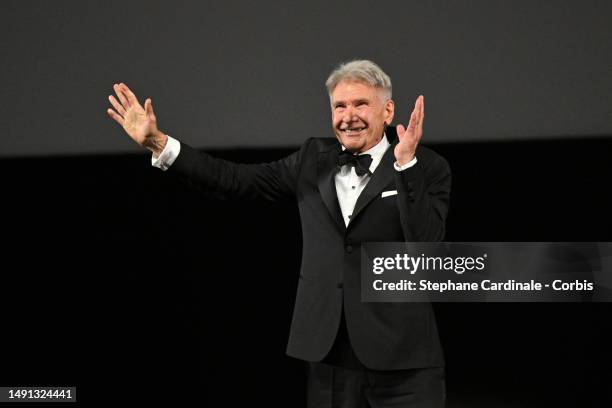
{"type": "Point", "coordinates": [360, 71]}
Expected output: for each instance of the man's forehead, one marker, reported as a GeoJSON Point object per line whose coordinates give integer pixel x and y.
{"type": "Point", "coordinates": [353, 89]}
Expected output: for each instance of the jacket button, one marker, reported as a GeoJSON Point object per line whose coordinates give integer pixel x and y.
{"type": "Point", "coordinates": [349, 248]}
{"type": "Point", "coordinates": [340, 285]}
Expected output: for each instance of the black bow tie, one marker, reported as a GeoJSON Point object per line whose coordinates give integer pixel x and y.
{"type": "Point", "coordinates": [361, 162]}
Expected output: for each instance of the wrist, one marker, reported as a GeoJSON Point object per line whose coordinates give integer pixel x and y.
{"type": "Point", "coordinates": [157, 143]}
{"type": "Point", "coordinates": [403, 160]}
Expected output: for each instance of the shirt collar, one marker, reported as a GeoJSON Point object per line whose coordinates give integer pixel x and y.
{"type": "Point", "coordinates": [376, 152]}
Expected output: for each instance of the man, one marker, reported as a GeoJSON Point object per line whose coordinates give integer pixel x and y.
{"type": "Point", "coordinates": [372, 183]}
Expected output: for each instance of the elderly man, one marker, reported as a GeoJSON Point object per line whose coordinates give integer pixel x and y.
{"type": "Point", "coordinates": [372, 183]}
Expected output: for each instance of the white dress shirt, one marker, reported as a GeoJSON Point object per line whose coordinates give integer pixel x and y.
{"type": "Point", "coordinates": [348, 184]}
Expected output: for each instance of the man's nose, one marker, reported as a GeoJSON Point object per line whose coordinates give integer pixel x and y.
{"type": "Point", "coordinates": [348, 114]}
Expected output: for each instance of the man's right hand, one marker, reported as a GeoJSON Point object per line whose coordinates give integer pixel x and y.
{"type": "Point", "coordinates": [138, 122]}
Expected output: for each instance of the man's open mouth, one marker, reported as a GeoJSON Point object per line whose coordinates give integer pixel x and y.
{"type": "Point", "coordinates": [353, 131]}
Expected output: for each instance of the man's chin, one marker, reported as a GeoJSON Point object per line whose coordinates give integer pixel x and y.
{"type": "Point", "coordinates": [354, 145]}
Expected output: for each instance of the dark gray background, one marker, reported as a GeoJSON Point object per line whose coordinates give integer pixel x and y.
{"type": "Point", "coordinates": [250, 74]}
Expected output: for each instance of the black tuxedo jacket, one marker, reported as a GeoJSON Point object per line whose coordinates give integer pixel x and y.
{"type": "Point", "coordinates": [384, 336]}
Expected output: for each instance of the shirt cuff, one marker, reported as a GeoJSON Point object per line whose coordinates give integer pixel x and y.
{"type": "Point", "coordinates": [405, 166]}
{"type": "Point", "coordinates": [168, 155]}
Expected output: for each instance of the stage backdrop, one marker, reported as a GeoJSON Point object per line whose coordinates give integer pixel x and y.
{"type": "Point", "coordinates": [250, 74]}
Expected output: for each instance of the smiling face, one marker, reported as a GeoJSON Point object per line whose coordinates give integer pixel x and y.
{"type": "Point", "coordinates": [359, 114]}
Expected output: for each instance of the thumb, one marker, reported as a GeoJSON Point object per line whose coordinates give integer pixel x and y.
{"type": "Point", "coordinates": [400, 129]}
{"type": "Point", "coordinates": [149, 109]}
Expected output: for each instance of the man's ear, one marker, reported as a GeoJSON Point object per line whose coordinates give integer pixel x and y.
{"type": "Point", "coordinates": [389, 112]}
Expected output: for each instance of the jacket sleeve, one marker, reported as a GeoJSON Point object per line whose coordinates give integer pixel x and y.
{"type": "Point", "coordinates": [424, 194]}
{"type": "Point", "coordinates": [224, 179]}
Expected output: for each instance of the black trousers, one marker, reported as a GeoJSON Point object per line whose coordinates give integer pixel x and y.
{"type": "Point", "coordinates": [341, 381]}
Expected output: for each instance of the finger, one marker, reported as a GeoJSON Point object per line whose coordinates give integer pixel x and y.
{"type": "Point", "coordinates": [421, 117]}
{"type": "Point", "coordinates": [413, 121]}
{"type": "Point", "coordinates": [149, 109]}
{"type": "Point", "coordinates": [115, 116]}
{"type": "Point", "coordinates": [416, 117]}
{"type": "Point", "coordinates": [130, 95]}
{"type": "Point", "coordinates": [421, 108]}
{"type": "Point", "coordinates": [417, 108]}
{"type": "Point", "coordinates": [116, 105]}
{"type": "Point", "coordinates": [121, 96]}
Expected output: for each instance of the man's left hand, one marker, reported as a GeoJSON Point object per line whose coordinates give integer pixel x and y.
{"type": "Point", "coordinates": [409, 136]}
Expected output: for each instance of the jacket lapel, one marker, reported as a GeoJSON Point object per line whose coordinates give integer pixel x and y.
{"type": "Point", "coordinates": [326, 170]}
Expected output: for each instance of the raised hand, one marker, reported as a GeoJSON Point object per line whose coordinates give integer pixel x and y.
{"type": "Point", "coordinates": [409, 136]}
{"type": "Point", "coordinates": [138, 122]}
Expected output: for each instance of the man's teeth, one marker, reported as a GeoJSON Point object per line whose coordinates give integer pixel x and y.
{"type": "Point", "coordinates": [353, 130]}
